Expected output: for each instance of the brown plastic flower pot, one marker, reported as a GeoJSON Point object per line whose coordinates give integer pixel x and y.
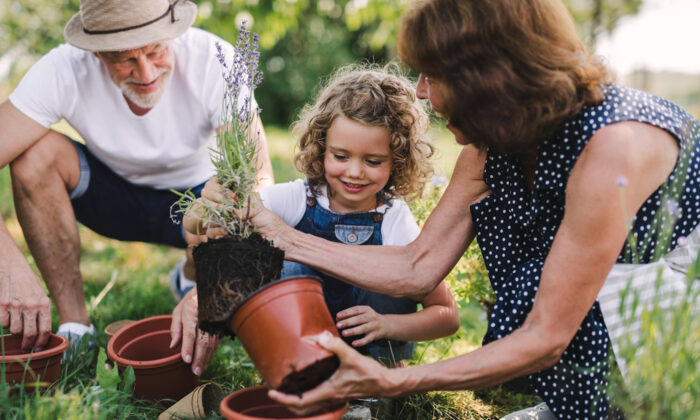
{"type": "Point", "coordinates": [254, 404]}
{"type": "Point", "coordinates": [274, 324]}
{"type": "Point", "coordinates": [159, 370]}
{"type": "Point", "coordinates": [21, 367]}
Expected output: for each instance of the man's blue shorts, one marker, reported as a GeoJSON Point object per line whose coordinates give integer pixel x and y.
{"type": "Point", "coordinates": [118, 209]}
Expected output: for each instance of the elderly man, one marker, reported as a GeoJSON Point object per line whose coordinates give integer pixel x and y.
{"type": "Point", "coordinates": [144, 90]}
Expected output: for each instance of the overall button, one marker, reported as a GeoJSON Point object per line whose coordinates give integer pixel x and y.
{"type": "Point", "coordinates": [353, 234]}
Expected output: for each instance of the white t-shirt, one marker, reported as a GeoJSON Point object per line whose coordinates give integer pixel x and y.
{"type": "Point", "coordinates": [288, 200]}
{"type": "Point", "coordinates": [168, 147]}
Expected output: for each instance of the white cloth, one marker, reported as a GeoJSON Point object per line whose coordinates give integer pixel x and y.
{"type": "Point", "coordinates": [168, 147]}
{"type": "Point", "coordinates": [288, 200]}
{"type": "Point", "coordinates": [73, 331]}
{"type": "Point", "coordinates": [670, 272]}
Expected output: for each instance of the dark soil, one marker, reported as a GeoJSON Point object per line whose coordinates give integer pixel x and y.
{"type": "Point", "coordinates": [310, 377]}
{"type": "Point", "coordinates": [228, 270]}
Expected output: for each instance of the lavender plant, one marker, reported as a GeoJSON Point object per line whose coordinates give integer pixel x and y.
{"type": "Point", "coordinates": [234, 157]}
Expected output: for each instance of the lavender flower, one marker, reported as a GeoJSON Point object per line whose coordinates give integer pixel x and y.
{"type": "Point", "coordinates": [235, 155]}
{"type": "Point", "coordinates": [682, 241]}
{"type": "Point", "coordinates": [673, 208]}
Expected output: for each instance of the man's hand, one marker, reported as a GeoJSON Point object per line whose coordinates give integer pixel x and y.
{"type": "Point", "coordinates": [357, 376]}
{"type": "Point", "coordinates": [194, 340]}
{"type": "Point", "coordinates": [24, 307]}
{"type": "Point", "coordinates": [359, 320]}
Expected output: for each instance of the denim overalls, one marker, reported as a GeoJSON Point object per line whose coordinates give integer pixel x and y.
{"type": "Point", "coordinates": [362, 228]}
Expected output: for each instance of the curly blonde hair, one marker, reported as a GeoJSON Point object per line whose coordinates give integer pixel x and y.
{"type": "Point", "coordinates": [378, 97]}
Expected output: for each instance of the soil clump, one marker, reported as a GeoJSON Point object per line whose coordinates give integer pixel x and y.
{"type": "Point", "coordinates": [229, 269]}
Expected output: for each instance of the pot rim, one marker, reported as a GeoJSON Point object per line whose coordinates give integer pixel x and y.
{"type": "Point", "coordinates": [59, 348]}
{"type": "Point", "coordinates": [257, 291]}
{"type": "Point", "coordinates": [140, 364]}
{"type": "Point", "coordinates": [223, 406]}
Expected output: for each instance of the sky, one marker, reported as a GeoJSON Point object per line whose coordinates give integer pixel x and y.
{"type": "Point", "coordinates": [664, 35]}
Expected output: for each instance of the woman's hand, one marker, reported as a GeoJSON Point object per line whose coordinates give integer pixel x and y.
{"type": "Point", "coordinates": [360, 320]}
{"type": "Point", "coordinates": [357, 376]}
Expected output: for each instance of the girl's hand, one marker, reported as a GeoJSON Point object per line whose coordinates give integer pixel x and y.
{"type": "Point", "coordinates": [357, 376]}
{"type": "Point", "coordinates": [212, 196]}
{"type": "Point", "coordinates": [363, 320]}
{"type": "Point", "coordinates": [269, 224]}
{"type": "Point", "coordinates": [212, 191]}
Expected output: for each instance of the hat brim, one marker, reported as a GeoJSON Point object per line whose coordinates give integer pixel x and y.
{"type": "Point", "coordinates": [185, 13]}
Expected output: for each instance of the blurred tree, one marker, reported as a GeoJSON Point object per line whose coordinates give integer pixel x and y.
{"type": "Point", "coordinates": [302, 41]}
{"type": "Point", "coordinates": [30, 28]}
{"type": "Point", "coordinates": [594, 17]}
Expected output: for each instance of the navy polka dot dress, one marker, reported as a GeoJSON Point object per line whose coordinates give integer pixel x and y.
{"type": "Point", "coordinates": [515, 230]}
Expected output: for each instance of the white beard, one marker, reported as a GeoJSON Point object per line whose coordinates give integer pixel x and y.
{"type": "Point", "coordinates": [146, 100]}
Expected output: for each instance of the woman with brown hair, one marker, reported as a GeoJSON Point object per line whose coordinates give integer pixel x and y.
{"type": "Point", "coordinates": [559, 166]}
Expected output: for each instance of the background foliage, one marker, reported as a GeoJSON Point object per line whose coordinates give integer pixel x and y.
{"type": "Point", "coordinates": [302, 41]}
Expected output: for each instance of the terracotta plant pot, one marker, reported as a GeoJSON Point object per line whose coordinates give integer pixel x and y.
{"type": "Point", "coordinates": [44, 366]}
{"type": "Point", "coordinates": [272, 325]}
{"type": "Point", "coordinates": [254, 404]}
{"type": "Point", "coordinates": [159, 370]}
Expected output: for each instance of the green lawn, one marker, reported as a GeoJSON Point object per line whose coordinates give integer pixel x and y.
{"type": "Point", "coordinates": [140, 290]}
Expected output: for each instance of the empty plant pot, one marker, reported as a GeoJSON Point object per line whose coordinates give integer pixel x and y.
{"type": "Point", "coordinates": [159, 370]}
{"type": "Point", "coordinates": [195, 405]}
{"type": "Point", "coordinates": [254, 404]}
{"type": "Point", "coordinates": [112, 328]}
{"type": "Point", "coordinates": [25, 368]}
{"type": "Point", "coordinates": [274, 325]}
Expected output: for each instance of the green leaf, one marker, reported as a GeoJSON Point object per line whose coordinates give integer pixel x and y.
{"type": "Point", "coordinates": [107, 378]}
{"type": "Point", "coordinates": [128, 380]}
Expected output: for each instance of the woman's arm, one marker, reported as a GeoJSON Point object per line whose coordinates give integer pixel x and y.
{"type": "Point", "coordinates": [413, 270]}
{"type": "Point", "coordinates": [586, 246]}
{"type": "Point", "coordinates": [438, 318]}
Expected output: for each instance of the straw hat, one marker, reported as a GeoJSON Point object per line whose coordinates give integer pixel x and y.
{"type": "Point", "coordinates": [118, 25]}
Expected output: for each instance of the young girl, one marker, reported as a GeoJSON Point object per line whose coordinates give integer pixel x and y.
{"type": "Point", "coordinates": [361, 145]}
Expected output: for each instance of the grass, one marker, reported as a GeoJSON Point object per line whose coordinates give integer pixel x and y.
{"type": "Point", "coordinates": [141, 289]}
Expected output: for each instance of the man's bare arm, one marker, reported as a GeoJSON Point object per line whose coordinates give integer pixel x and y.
{"type": "Point", "coordinates": [24, 306]}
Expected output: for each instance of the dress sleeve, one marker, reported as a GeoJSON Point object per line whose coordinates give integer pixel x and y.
{"type": "Point", "coordinates": [288, 200]}
{"type": "Point", "coordinates": [399, 226]}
